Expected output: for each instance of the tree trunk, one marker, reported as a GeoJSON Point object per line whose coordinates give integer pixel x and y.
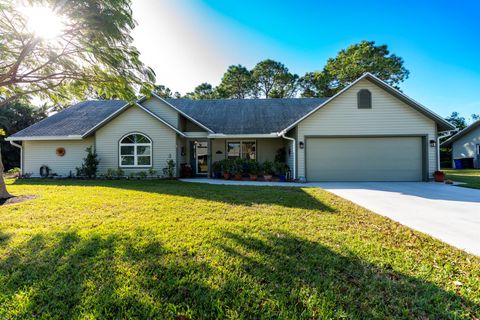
{"type": "Point", "coordinates": [3, 188]}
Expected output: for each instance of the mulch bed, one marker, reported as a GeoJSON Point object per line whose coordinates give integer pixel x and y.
{"type": "Point", "coordinates": [16, 199]}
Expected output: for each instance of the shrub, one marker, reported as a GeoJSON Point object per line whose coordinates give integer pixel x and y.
{"type": "Point", "coordinates": [142, 174]}
{"type": "Point", "coordinates": [119, 173]}
{"type": "Point", "coordinates": [281, 155]}
{"type": "Point", "coordinates": [169, 170]}
{"type": "Point", "coordinates": [281, 168]}
{"type": "Point", "coordinates": [268, 168]}
{"type": "Point", "coordinates": [110, 173]}
{"type": "Point", "coordinates": [90, 163]}
{"type": "Point", "coordinates": [131, 175]}
{"type": "Point", "coordinates": [152, 172]}
{"type": "Point", "coordinates": [253, 167]}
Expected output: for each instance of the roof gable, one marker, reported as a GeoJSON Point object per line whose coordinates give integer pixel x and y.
{"type": "Point", "coordinates": [442, 124]}
{"type": "Point", "coordinates": [460, 134]}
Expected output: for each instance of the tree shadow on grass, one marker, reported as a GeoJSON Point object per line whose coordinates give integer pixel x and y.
{"type": "Point", "coordinates": [290, 197]}
{"type": "Point", "coordinates": [268, 276]}
{"type": "Point", "coordinates": [307, 280]}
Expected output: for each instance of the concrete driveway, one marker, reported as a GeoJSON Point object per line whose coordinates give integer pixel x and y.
{"type": "Point", "coordinates": [446, 212]}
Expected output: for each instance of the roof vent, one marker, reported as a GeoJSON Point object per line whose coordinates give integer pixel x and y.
{"type": "Point", "coordinates": [364, 99]}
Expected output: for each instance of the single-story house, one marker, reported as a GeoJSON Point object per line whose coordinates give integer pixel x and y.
{"type": "Point", "coordinates": [369, 131]}
{"type": "Point", "coordinates": [466, 144]}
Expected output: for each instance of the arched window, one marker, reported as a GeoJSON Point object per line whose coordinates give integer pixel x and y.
{"type": "Point", "coordinates": [364, 99]}
{"type": "Point", "coordinates": [135, 151]}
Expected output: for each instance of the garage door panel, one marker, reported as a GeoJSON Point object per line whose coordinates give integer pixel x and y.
{"type": "Point", "coordinates": [364, 159]}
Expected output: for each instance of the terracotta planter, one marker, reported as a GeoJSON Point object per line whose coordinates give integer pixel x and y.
{"type": "Point", "coordinates": [439, 176]}
{"type": "Point", "coordinates": [268, 177]}
{"type": "Point", "coordinates": [238, 177]}
{"type": "Point", "coordinates": [226, 176]}
{"type": "Point", "coordinates": [253, 177]}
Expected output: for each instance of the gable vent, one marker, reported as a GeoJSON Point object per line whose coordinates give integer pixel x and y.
{"type": "Point", "coordinates": [364, 99]}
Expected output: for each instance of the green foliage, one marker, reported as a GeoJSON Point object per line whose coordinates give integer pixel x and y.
{"type": "Point", "coordinates": [217, 166]}
{"type": "Point", "coordinates": [92, 55]}
{"type": "Point", "coordinates": [119, 172]}
{"type": "Point", "coordinates": [152, 172]}
{"type": "Point", "coordinates": [90, 163]}
{"type": "Point", "coordinates": [349, 65]}
{"type": "Point", "coordinates": [202, 91]}
{"type": "Point", "coordinates": [165, 92]}
{"type": "Point", "coordinates": [268, 168]}
{"type": "Point", "coordinates": [172, 250]}
{"type": "Point", "coordinates": [281, 168]}
{"type": "Point", "coordinates": [459, 122]}
{"type": "Point", "coordinates": [237, 83]}
{"type": "Point", "coordinates": [253, 167]}
{"type": "Point", "coordinates": [15, 116]}
{"type": "Point", "coordinates": [273, 80]}
{"type": "Point", "coordinates": [110, 173]}
{"type": "Point", "coordinates": [142, 175]}
{"type": "Point", "coordinates": [169, 170]}
{"type": "Point", "coordinates": [281, 155]}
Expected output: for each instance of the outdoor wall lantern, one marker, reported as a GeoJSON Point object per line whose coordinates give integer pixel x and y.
{"type": "Point", "coordinates": [301, 145]}
{"type": "Point", "coordinates": [433, 143]}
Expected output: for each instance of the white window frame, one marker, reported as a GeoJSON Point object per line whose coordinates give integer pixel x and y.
{"type": "Point", "coordinates": [134, 155]}
{"type": "Point", "coordinates": [241, 150]}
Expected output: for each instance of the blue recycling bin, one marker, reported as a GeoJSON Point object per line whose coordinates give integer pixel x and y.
{"type": "Point", "coordinates": [458, 163]}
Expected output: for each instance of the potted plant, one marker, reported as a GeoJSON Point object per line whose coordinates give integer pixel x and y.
{"type": "Point", "coordinates": [226, 168]}
{"type": "Point", "coordinates": [439, 176]}
{"type": "Point", "coordinates": [281, 168]}
{"type": "Point", "coordinates": [268, 170]}
{"type": "Point", "coordinates": [217, 169]}
{"type": "Point", "coordinates": [238, 169]}
{"type": "Point", "coordinates": [253, 168]}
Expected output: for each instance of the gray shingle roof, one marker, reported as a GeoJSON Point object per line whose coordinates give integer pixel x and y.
{"type": "Point", "coordinates": [75, 120]}
{"type": "Point", "coordinates": [228, 116]}
{"type": "Point", "coordinates": [247, 116]}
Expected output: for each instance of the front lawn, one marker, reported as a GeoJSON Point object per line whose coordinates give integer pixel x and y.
{"type": "Point", "coordinates": [470, 176]}
{"type": "Point", "coordinates": [172, 250]}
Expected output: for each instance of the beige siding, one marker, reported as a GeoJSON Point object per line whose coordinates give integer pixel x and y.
{"type": "Point", "coordinates": [267, 148]}
{"type": "Point", "coordinates": [39, 153]}
{"type": "Point", "coordinates": [466, 146]}
{"type": "Point", "coordinates": [135, 120]}
{"type": "Point", "coordinates": [162, 110]}
{"type": "Point", "coordinates": [388, 116]}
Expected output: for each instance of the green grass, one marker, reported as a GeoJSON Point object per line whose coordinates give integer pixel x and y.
{"type": "Point", "coordinates": [172, 250]}
{"type": "Point", "coordinates": [470, 176]}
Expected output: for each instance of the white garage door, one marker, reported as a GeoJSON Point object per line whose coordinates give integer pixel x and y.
{"type": "Point", "coordinates": [364, 159]}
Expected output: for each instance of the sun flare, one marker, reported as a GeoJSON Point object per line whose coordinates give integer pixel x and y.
{"type": "Point", "coordinates": [44, 22]}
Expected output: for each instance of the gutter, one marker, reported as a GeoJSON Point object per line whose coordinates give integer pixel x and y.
{"type": "Point", "coordinates": [247, 136]}
{"type": "Point", "coordinates": [282, 134]}
{"type": "Point", "coordinates": [19, 146]}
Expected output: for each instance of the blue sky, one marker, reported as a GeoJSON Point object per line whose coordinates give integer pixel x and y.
{"type": "Point", "coordinates": [188, 42]}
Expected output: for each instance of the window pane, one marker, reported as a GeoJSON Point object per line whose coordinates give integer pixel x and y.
{"type": "Point", "coordinates": [141, 139]}
{"type": "Point", "coordinates": [127, 160]}
{"type": "Point", "coordinates": [126, 150]}
{"type": "Point", "coordinates": [128, 139]}
{"type": "Point", "coordinates": [143, 151]}
{"type": "Point", "coordinates": [233, 150]}
{"type": "Point", "coordinates": [143, 161]}
{"type": "Point", "coordinates": [249, 150]}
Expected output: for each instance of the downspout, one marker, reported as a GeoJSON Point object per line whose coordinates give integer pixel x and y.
{"type": "Point", "coordinates": [13, 143]}
{"type": "Point", "coordinates": [282, 134]}
{"type": "Point", "coordinates": [445, 134]}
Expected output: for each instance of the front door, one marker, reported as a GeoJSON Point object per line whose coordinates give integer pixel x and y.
{"type": "Point", "coordinates": [201, 157]}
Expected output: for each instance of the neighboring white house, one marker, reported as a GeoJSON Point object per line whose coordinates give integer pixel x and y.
{"type": "Point", "coordinates": [367, 132]}
{"type": "Point", "coordinates": [466, 144]}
